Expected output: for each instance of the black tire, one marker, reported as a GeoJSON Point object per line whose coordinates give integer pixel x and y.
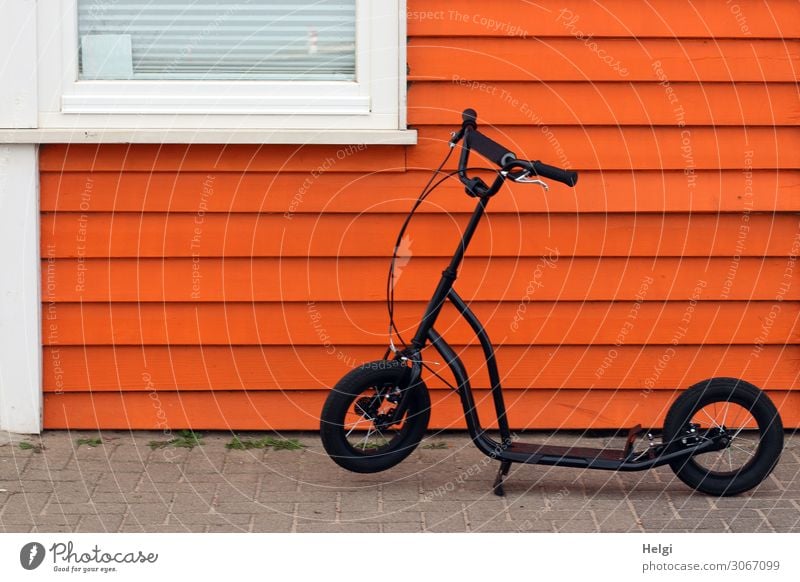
{"type": "Point", "coordinates": [715, 402]}
{"type": "Point", "coordinates": [364, 391]}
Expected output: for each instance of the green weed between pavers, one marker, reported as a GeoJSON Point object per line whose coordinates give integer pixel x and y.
{"type": "Point", "coordinates": [268, 442]}
{"type": "Point", "coordinates": [185, 439]}
{"type": "Point", "coordinates": [26, 446]}
{"type": "Point", "coordinates": [439, 445]}
{"type": "Point", "coordinates": [368, 445]}
{"type": "Point", "coordinates": [92, 442]}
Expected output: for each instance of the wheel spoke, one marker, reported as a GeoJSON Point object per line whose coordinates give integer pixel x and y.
{"type": "Point", "coordinates": [750, 452]}
{"type": "Point", "coordinates": [362, 419]}
{"type": "Point", "coordinates": [357, 428]}
{"type": "Point", "coordinates": [739, 411]}
{"type": "Point", "coordinates": [740, 450]}
{"type": "Point", "coordinates": [736, 434]}
{"type": "Point", "coordinates": [380, 435]}
{"type": "Point", "coordinates": [366, 438]}
{"type": "Point", "coordinates": [744, 430]}
{"type": "Point", "coordinates": [711, 418]}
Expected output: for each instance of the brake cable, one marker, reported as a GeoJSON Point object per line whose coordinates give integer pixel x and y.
{"type": "Point", "coordinates": [426, 191]}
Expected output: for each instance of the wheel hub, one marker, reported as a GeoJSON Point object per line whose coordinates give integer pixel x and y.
{"type": "Point", "coordinates": [367, 407]}
{"type": "Point", "coordinates": [384, 421]}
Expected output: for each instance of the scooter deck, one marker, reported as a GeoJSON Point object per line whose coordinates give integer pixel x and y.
{"type": "Point", "coordinates": [577, 457]}
{"type": "Point", "coordinates": [538, 454]}
{"type": "Point", "coordinates": [534, 453]}
{"type": "Point", "coordinates": [531, 453]}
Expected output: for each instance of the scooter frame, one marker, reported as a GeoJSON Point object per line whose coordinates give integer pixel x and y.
{"type": "Point", "coordinates": [508, 451]}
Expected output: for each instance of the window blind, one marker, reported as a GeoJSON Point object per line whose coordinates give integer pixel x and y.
{"type": "Point", "coordinates": [213, 40]}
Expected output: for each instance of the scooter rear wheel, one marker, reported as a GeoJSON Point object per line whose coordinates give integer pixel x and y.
{"type": "Point", "coordinates": [751, 420]}
{"type": "Point", "coordinates": [353, 420]}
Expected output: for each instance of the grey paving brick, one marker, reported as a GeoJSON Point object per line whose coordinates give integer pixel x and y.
{"type": "Point", "coordinates": [25, 503]}
{"type": "Point", "coordinates": [503, 527]}
{"type": "Point", "coordinates": [215, 477]}
{"type": "Point", "coordinates": [574, 525]}
{"type": "Point", "coordinates": [269, 481]}
{"type": "Point", "coordinates": [381, 517]}
{"type": "Point", "coordinates": [444, 522]}
{"type": "Point", "coordinates": [203, 465]}
{"type": "Point", "coordinates": [329, 527]}
{"type": "Point", "coordinates": [401, 527]}
{"type": "Point", "coordinates": [190, 505]}
{"type": "Point", "coordinates": [269, 522]}
{"type": "Point", "coordinates": [232, 492]}
{"type": "Point", "coordinates": [289, 494]}
{"type": "Point", "coordinates": [53, 528]}
{"type": "Point", "coordinates": [482, 516]}
{"type": "Point", "coordinates": [77, 495]}
{"type": "Point", "coordinates": [149, 513]}
{"type": "Point", "coordinates": [42, 520]}
{"type": "Point", "coordinates": [99, 523]}
{"type": "Point", "coordinates": [162, 472]}
{"type": "Point", "coordinates": [174, 529]}
{"type": "Point", "coordinates": [618, 528]}
{"type": "Point", "coordinates": [56, 508]}
{"type": "Point", "coordinates": [130, 453]}
{"type": "Point", "coordinates": [317, 511]}
{"type": "Point", "coordinates": [743, 525]}
{"type": "Point", "coordinates": [237, 466]}
{"type": "Point", "coordinates": [435, 506]}
{"type": "Point", "coordinates": [118, 481]}
{"type": "Point", "coordinates": [359, 501]}
{"type": "Point", "coordinates": [125, 486]}
{"type": "Point", "coordinates": [246, 507]}
{"type": "Point", "coordinates": [406, 492]}
{"type": "Point", "coordinates": [674, 525]}
{"type": "Point", "coordinates": [96, 508]}
{"type": "Point", "coordinates": [105, 497]}
{"type": "Point", "coordinates": [192, 519]}
{"type": "Point", "coordinates": [526, 526]}
{"type": "Point", "coordinates": [227, 528]}
{"type": "Point", "coordinates": [185, 488]}
{"type": "Point", "coordinates": [784, 522]}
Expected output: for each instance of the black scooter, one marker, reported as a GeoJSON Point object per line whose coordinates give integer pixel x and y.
{"type": "Point", "coordinates": [722, 436]}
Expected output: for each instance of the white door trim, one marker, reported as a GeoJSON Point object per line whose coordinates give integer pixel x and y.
{"type": "Point", "coordinates": [20, 291]}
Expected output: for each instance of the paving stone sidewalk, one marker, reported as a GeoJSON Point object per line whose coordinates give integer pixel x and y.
{"type": "Point", "coordinates": [125, 485]}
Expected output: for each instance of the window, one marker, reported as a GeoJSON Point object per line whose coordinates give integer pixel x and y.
{"type": "Point", "coordinates": [328, 66]}
{"type": "Point", "coordinates": [312, 40]}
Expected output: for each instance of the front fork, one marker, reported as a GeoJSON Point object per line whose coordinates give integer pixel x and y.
{"type": "Point", "coordinates": [412, 355]}
{"type": "Point", "coordinates": [410, 381]}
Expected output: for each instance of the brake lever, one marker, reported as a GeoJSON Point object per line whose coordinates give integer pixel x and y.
{"type": "Point", "coordinates": [523, 178]}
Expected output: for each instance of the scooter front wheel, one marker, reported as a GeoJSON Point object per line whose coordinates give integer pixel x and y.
{"type": "Point", "coordinates": [751, 423]}
{"type": "Point", "coordinates": [354, 421]}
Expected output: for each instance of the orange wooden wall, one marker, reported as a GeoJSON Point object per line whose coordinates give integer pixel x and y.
{"type": "Point", "coordinates": [229, 287]}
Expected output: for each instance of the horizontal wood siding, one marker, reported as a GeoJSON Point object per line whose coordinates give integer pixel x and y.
{"type": "Point", "coordinates": [228, 287]}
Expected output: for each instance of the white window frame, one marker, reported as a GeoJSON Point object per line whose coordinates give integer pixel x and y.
{"type": "Point", "coordinates": [368, 110]}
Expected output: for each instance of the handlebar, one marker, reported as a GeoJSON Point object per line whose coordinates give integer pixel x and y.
{"type": "Point", "coordinates": [501, 156]}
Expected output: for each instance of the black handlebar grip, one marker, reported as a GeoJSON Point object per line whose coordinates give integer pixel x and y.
{"type": "Point", "coordinates": [469, 118]}
{"type": "Point", "coordinates": [489, 149]}
{"type": "Point", "coordinates": [568, 177]}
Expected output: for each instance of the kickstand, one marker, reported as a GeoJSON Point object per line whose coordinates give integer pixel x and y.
{"type": "Point", "coordinates": [501, 475]}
